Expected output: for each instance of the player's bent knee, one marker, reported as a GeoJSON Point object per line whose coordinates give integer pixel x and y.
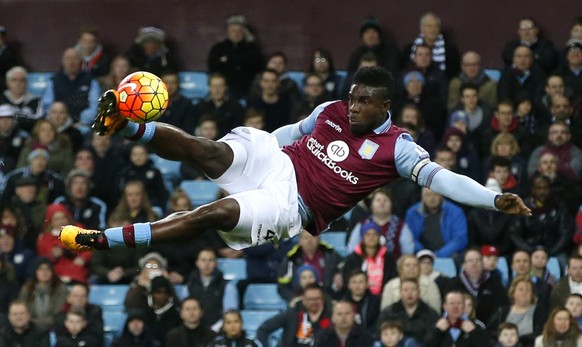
{"type": "Point", "coordinates": [223, 214]}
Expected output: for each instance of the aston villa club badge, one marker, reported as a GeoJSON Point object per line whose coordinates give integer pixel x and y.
{"type": "Point", "coordinates": [368, 149]}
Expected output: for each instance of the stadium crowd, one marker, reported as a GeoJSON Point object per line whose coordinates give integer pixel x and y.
{"type": "Point", "coordinates": [518, 132]}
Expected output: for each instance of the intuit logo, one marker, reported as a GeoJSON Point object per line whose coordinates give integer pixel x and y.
{"type": "Point", "coordinates": [337, 150]}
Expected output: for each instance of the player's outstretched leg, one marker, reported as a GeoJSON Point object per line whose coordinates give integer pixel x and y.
{"type": "Point", "coordinates": [222, 215]}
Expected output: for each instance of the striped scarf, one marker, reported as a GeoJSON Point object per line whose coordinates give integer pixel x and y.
{"type": "Point", "coordinates": [438, 50]}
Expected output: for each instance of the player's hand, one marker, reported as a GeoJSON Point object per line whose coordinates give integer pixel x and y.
{"type": "Point", "coordinates": [512, 204]}
{"type": "Point", "coordinates": [108, 120]}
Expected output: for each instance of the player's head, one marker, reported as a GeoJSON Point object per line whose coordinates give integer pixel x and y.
{"type": "Point", "coordinates": [369, 99]}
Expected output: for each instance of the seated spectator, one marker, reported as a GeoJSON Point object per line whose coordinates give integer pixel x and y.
{"type": "Point", "coordinates": [504, 121]}
{"type": "Point", "coordinates": [78, 301]}
{"type": "Point", "coordinates": [410, 115]}
{"type": "Point", "coordinates": [409, 268]}
{"type": "Point", "coordinates": [365, 303]}
{"type": "Point", "coordinates": [468, 162]}
{"type": "Point", "coordinates": [58, 115]}
{"type": "Point", "coordinates": [392, 335]}
{"type": "Point", "coordinates": [551, 224]}
{"type": "Point", "coordinates": [151, 266]}
{"type": "Point", "coordinates": [162, 310]}
{"type": "Point", "coordinates": [437, 225]}
{"type": "Point", "coordinates": [470, 310]}
{"type": "Point", "coordinates": [500, 171]}
{"type": "Point", "coordinates": [74, 87]}
{"type": "Point", "coordinates": [95, 60]}
{"type": "Point", "coordinates": [472, 72]}
{"type": "Point", "coordinates": [232, 333]}
{"type": "Point", "coordinates": [426, 259]}
{"type": "Point", "coordinates": [487, 290]}
{"type": "Point", "coordinates": [135, 332]}
{"type": "Point", "coordinates": [321, 63]}
{"type": "Point", "coordinates": [150, 53]}
{"type": "Point", "coordinates": [455, 328]}
{"type": "Point", "coordinates": [21, 330]}
{"type": "Point", "coordinates": [569, 70]}
{"type": "Point", "coordinates": [119, 68]}
{"type": "Point", "coordinates": [508, 336]}
{"type": "Point", "coordinates": [44, 293]}
{"type": "Point", "coordinates": [311, 251]}
{"type": "Point", "coordinates": [539, 269]}
{"type": "Point", "coordinates": [277, 108]}
{"type": "Point", "coordinates": [86, 209]}
{"type": "Point", "coordinates": [523, 311]}
{"type": "Point", "coordinates": [135, 206]}
{"type": "Point", "coordinates": [505, 145]}
{"type": "Point", "coordinates": [568, 284]}
{"type": "Point", "coordinates": [107, 161]}
{"type": "Point", "coordinates": [574, 306]}
{"type": "Point", "coordinates": [289, 89]}
{"type": "Point", "coordinates": [305, 275]}
{"type": "Point", "coordinates": [254, 119]}
{"type": "Point", "coordinates": [300, 323]}
{"type": "Point", "coordinates": [522, 75]}
{"type": "Point", "coordinates": [9, 56]}
{"type": "Point", "coordinates": [561, 329]}
{"type": "Point", "coordinates": [8, 286]}
{"type": "Point", "coordinates": [60, 149]}
{"type": "Point", "coordinates": [76, 332]}
{"type": "Point", "coordinates": [28, 107]}
{"type": "Point", "coordinates": [14, 255]}
{"type": "Point", "coordinates": [314, 94]}
{"type": "Point", "coordinates": [191, 332]}
{"type": "Point", "coordinates": [180, 112]}
{"type": "Point", "coordinates": [12, 139]}
{"type": "Point", "coordinates": [436, 82]}
{"type": "Point", "coordinates": [397, 239]}
{"type": "Point", "coordinates": [70, 266]}
{"type": "Point", "coordinates": [344, 331]}
{"type": "Point", "coordinates": [545, 56]}
{"type": "Point", "coordinates": [371, 256]}
{"type": "Point", "coordinates": [490, 256]}
{"type": "Point", "coordinates": [416, 317]}
{"type": "Point", "coordinates": [207, 283]}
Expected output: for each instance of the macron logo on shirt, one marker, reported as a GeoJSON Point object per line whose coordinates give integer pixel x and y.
{"type": "Point", "coordinates": [333, 125]}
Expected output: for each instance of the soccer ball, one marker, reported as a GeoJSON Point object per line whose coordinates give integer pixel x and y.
{"type": "Point", "coordinates": [143, 97]}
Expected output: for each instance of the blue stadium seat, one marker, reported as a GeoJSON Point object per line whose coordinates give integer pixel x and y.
{"type": "Point", "coordinates": [200, 192]}
{"type": "Point", "coordinates": [298, 77]}
{"type": "Point", "coordinates": [109, 296]}
{"type": "Point", "coordinates": [113, 322]}
{"type": "Point", "coordinates": [38, 81]}
{"type": "Point", "coordinates": [503, 269]}
{"type": "Point", "coordinates": [494, 74]}
{"type": "Point", "coordinates": [233, 269]}
{"type": "Point", "coordinates": [181, 291]}
{"type": "Point", "coordinates": [263, 297]}
{"type": "Point", "coordinates": [446, 266]}
{"type": "Point", "coordinates": [193, 85]}
{"type": "Point", "coordinates": [554, 267]}
{"type": "Point", "coordinates": [337, 239]}
{"type": "Point", "coordinates": [252, 320]}
{"type": "Point", "coordinates": [170, 171]}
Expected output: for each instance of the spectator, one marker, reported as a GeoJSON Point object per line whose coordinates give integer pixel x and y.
{"type": "Point", "coordinates": [529, 119]}
{"type": "Point", "coordinates": [78, 301]}
{"type": "Point", "coordinates": [409, 268]}
{"type": "Point", "coordinates": [574, 305]}
{"type": "Point", "coordinates": [191, 333]}
{"type": "Point", "coordinates": [487, 290]}
{"type": "Point", "coordinates": [85, 208]}
{"type": "Point", "coordinates": [455, 328]}
{"type": "Point", "coordinates": [232, 333]}
{"type": "Point", "coordinates": [180, 112]}
{"type": "Point", "coordinates": [521, 266]}
{"type": "Point", "coordinates": [508, 336]}
{"type": "Point", "coordinates": [76, 333]}
{"type": "Point", "coordinates": [95, 60]}
{"type": "Point", "coordinates": [8, 286]}
{"type": "Point", "coordinates": [426, 259]}
{"type": "Point", "coordinates": [570, 70]}
{"type": "Point", "coordinates": [277, 108]}
{"type": "Point", "coordinates": [410, 114]}
{"type": "Point", "coordinates": [107, 162]}
{"type": "Point", "coordinates": [371, 256]}
{"type": "Point", "coordinates": [207, 283]}
{"type": "Point", "coordinates": [305, 275]}
{"type": "Point", "coordinates": [539, 269]}
{"type": "Point", "coordinates": [500, 171]}
{"type": "Point", "coordinates": [345, 331]}
{"type": "Point", "coordinates": [288, 88]}
{"type": "Point", "coordinates": [44, 293]}
{"type": "Point", "coordinates": [311, 251]}
{"type": "Point", "coordinates": [445, 54]}
{"type": "Point", "coordinates": [151, 266]}
{"type": "Point", "coordinates": [150, 53]}
{"type": "Point", "coordinates": [545, 56]}
{"type": "Point", "coordinates": [14, 255]}
{"type": "Point", "coordinates": [554, 86]}
{"type": "Point", "coordinates": [437, 225]}
{"type": "Point", "coordinates": [59, 116]}
{"type": "Point", "coordinates": [322, 64]}
{"type": "Point", "coordinates": [12, 139]}
{"type": "Point", "coordinates": [561, 329]}
{"type": "Point", "coordinates": [237, 57]}
{"type": "Point", "coordinates": [219, 103]}
{"type": "Point", "coordinates": [472, 72]}
{"type": "Point", "coordinates": [366, 304]}
{"type": "Point", "coordinates": [521, 75]}
{"type": "Point", "coordinates": [74, 87]}
{"type": "Point", "coordinates": [135, 331]}
{"type": "Point", "coordinates": [119, 68]}
{"type": "Point", "coordinates": [162, 310]}
{"type": "Point", "coordinates": [28, 203]}
{"type": "Point", "coordinates": [8, 56]}
{"type": "Point", "coordinates": [561, 110]}
{"type": "Point", "coordinates": [70, 266]}
{"type": "Point", "coordinates": [416, 317]}
{"type": "Point", "coordinates": [523, 311]}
{"type": "Point", "coordinates": [135, 205]}
{"type": "Point", "coordinates": [468, 162]}
{"type": "Point", "coordinates": [393, 236]}
{"type": "Point", "coordinates": [314, 94]}
{"type": "Point", "coordinates": [28, 106]}
{"type": "Point", "coordinates": [20, 330]}
{"type": "Point", "coordinates": [436, 82]}
{"type": "Point", "coordinates": [490, 256]}
{"type": "Point", "coordinates": [569, 284]}
{"type": "Point", "coordinates": [391, 335]}
{"type": "Point", "coordinates": [300, 323]}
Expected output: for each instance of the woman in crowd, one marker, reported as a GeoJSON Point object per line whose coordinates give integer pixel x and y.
{"type": "Point", "coordinates": [561, 330]}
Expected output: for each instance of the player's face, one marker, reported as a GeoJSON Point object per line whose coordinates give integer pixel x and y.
{"type": "Point", "coordinates": [574, 305]}
{"type": "Point", "coordinates": [232, 325]}
{"type": "Point", "coordinates": [367, 109]}
{"type": "Point", "coordinates": [17, 83]}
{"type": "Point", "coordinates": [508, 338]}
{"type": "Point", "coordinates": [391, 337]}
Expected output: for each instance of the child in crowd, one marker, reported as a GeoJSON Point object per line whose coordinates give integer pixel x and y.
{"type": "Point", "coordinates": [76, 334]}
{"type": "Point", "coordinates": [508, 336]}
{"type": "Point", "coordinates": [392, 335]}
{"type": "Point", "coordinates": [574, 305]}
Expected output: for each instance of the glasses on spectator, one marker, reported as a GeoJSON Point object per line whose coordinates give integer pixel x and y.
{"type": "Point", "coordinates": [526, 27]}
{"type": "Point", "coordinates": [320, 60]}
{"type": "Point", "coordinates": [151, 266]}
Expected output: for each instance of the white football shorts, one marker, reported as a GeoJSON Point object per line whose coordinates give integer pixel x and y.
{"type": "Point", "coordinates": [262, 180]}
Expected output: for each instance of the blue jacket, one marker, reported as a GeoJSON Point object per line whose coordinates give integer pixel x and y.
{"type": "Point", "coordinates": [453, 228]}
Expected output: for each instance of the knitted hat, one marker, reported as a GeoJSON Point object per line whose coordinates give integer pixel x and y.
{"type": "Point", "coordinates": [306, 267]}
{"type": "Point", "coordinates": [370, 23]}
{"type": "Point", "coordinates": [25, 181]}
{"type": "Point", "coordinates": [150, 34]}
{"type": "Point", "coordinates": [369, 226]}
{"type": "Point", "coordinates": [54, 208]}
{"type": "Point", "coordinates": [459, 116]}
{"type": "Point", "coordinates": [413, 75]}
{"type": "Point", "coordinates": [38, 150]}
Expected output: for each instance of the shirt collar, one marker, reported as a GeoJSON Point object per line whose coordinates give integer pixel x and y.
{"type": "Point", "coordinates": [384, 127]}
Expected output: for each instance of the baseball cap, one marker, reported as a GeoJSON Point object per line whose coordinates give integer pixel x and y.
{"type": "Point", "coordinates": [426, 253]}
{"type": "Point", "coordinates": [488, 250]}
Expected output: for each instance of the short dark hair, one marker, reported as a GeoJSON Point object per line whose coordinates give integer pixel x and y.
{"type": "Point", "coordinates": [500, 162]}
{"type": "Point", "coordinates": [468, 85]}
{"type": "Point", "coordinates": [376, 77]}
{"type": "Point", "coordinates": [507, 326]}
{"type": "Point", "coordinates": [391, 324]}
{"type": "Point", "coordinates": [278, 54]}
{"type": "Point", "coordinates": [574, 257]}
{"type": "Point", "coordinates": [357, 272]}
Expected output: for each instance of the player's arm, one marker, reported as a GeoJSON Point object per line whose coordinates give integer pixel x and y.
{"type": "Point", "coordinates": [413, 162]}
{"type": "Point", "coordinates": [288, 134]}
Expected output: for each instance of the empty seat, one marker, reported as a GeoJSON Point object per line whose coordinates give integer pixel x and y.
{"type": "Point", "coordinates": [554, 267]}
{"type": "Point", "coordinates": [193, 84]}
{"type": "Point", "coordinates": [110, 297]}
{"type": "Point", "coordinates": [494, 74]}
{"type": "Point", "coordinates": [263, 297]}
{"type": "Point", "coordinates": [233, 269]}
{"type": "Point", "coordinates": [446, 266]}
{"type": "Point", "coordinates": [38, 81]}
{"type": "Point", "coordinates": [113, 323]}
{"type": "Point", "coordinates": [200, 192]}
{"type": "Point", "coordinates": [503, 269]}
{"type": "Point", "coordinates": [297, 76]}
{"type": "Point", "coordinates": [181, 291]}
{"type": "Point", "coordinates": [337, 239]}
{"type": "Point", "coordinates": [252, 320]}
